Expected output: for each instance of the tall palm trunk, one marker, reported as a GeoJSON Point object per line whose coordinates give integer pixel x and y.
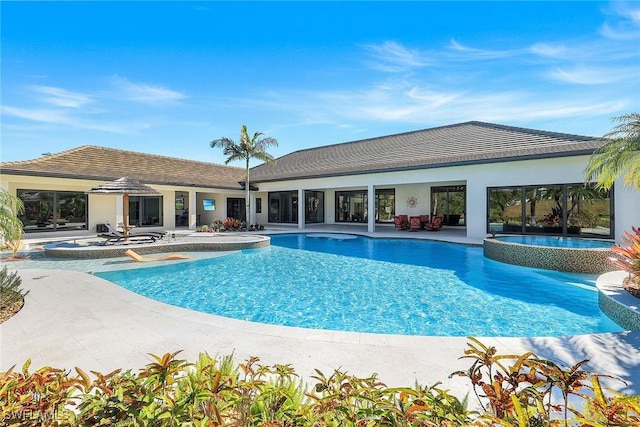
{"type": "Point", "coordinates": [247, 201]}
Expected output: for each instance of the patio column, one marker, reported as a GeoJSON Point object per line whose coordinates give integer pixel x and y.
{"type": "Point", "coordinates": [119, 209]}
{"type": "Point", "coordinates": [371, 209]}
{"type": "Point", "coordinates": [192, 210]}
{"type": "Point", "coordinates": [301, 208]}
{"type": "Point", "coordinates": [476, 218]}
{"type": "Point", "coordinates": [252, 207]}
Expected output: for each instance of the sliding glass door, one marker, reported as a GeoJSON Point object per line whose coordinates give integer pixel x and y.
{"type": "Point", "coordinates": [450, 203]}
{"type": "Point", "coordinates": [562, 209]}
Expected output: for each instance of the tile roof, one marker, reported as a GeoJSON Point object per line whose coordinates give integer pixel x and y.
{"type": "Point", "coordinates": [464, 143]}
{"type": "Point", "coordinates": [106, 164]}
{"type": "Point", "coordinates": [459, 144]}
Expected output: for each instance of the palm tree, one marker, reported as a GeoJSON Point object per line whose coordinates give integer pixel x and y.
{"type": "Point", "coordinates": [620, 156]}
{"type": "Point", "coordinates": [11, 228]}
{"type": "Point", "coordinates": [247, 149]}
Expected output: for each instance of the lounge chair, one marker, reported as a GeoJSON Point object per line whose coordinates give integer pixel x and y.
{"type": "Point", "coordinates": [133, 232]}
{"type": "Point", "coordinates": [424, 219]}
{"type": "Point", "coordinates": [116, 236]}
{"type": "Point", "coordinates": [414, 223]}
{"type": "Point", "coordinates": [401, 221]}
{"type": "Point", "coordinates": [139, 258]}
{"type": "Point", "coordinates": [435, 224]}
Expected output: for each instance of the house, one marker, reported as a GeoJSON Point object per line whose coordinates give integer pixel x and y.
{"type": "Point", "coordinates": [479, 176]}
{"type": "Point", "coordinates": [54, 190]}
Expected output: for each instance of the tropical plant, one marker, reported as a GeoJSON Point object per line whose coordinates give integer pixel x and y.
{"type": "Point", "coordinates": [217, 392]}
{"type": "Point", "coordinates": [10, 291]}
{"type": "Point", "coordinates": [232, 224]}
{"type": "Point", "coordinates": [629, 257]}
{"type": "Point", "coordinates": [248, 148]}
{"type": "Point", "coordinates": [11, 228]}
{"type": "Point", "coordinates": [525, 392]}
{"type": "Point", "coordinates": [619, 156]}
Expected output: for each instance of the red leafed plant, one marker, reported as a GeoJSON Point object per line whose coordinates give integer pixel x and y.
{"type": "Point", "coordinates": [629, 259]}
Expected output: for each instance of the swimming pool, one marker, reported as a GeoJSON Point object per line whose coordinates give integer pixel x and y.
{"type": "Point", "coordinates": [393, 286]}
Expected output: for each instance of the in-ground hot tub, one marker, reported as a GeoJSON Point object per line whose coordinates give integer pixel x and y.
{"type": "Point", "coordinates": [589, 256]}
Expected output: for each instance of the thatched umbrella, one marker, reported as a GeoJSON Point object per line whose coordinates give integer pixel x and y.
{"type": "Point", "coordinates": [127, 187]}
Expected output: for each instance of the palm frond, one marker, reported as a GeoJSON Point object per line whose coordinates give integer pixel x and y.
{"type": "Point", "coordinates": [619, 156]}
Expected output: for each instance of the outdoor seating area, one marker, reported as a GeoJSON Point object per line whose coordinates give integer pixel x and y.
{"type": "Point", "coordinates": [113, 235]}
{"type": "Point", "coordinates": [418, 222]}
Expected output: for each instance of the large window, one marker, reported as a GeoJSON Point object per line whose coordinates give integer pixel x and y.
{"type": "Point", "coordinates": [313, 206]}
{"type": "Point", "coordinates": [283, 206]}
{"type": "Point", "coordinates": [236, 208]}
{"type": "Point", "coordinates": [450, 203]}
{"type": "Point", "coordinates": [562, 209]}
{"type": "Point", "coordinates": [385, 205]}
{"type": "Point", "coordinates": [351, 206]}
{"type": "Point", "coordinates": [53, 210]}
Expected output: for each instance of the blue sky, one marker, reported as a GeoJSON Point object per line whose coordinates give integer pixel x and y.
{"type": "Point", "coordinates": [167, 78]}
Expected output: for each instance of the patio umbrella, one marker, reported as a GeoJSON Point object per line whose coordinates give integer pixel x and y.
{"type": "Point", "coordinates": [126, 187]}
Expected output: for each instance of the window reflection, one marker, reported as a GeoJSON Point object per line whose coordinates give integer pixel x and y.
{"type": "Point", "coordinates": [563, 209]}
{"type": "Point", "coordinates": [53, 210]}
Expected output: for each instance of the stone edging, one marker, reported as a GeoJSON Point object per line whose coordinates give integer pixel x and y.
{"type": "Point", "coordinates": [205, 243]}
{"type": "Point", "coordinates": [573, 260]}
{"type": "Point", "coordinates": [617, 303]}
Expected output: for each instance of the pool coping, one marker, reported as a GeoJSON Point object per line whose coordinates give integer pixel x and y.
{"type": "Point", "coordinates": [616, 302]}
{"type": "Point", "coordinates": [88, 249]}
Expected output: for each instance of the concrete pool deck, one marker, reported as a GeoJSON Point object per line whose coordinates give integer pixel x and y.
{"type": "Point", "coordinates": [72, 318]}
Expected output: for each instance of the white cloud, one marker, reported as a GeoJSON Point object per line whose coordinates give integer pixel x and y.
{"type": "Point", "coordinates": [545, 49]}
{"type": "Point", "coordinates": [589, 75]}
{"type": "Point", "coordinates": [471, 53]}
{"type": "Point", "coordinates": [624, 21]}
{"type": "Point", "coordinates": [146, 93]}
{"type": "Point", "coordinates": [61, 97]}
{"type": "Point", "coordinates": [37, 115]}
{"type": "Point", "coordinates": [62, 118]}
{"type": "Point", "coordinates": [393, 57]}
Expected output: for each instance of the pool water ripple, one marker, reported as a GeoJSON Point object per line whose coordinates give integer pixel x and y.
{"type": "Point", "coordinates": [393, 286]}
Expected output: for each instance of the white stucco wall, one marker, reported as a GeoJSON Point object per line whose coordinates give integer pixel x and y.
{"type": "Point", "coordinates": [477, 178]}
{"type": "Point", "coordinates": [627, 209]}
{"type": "Point", "coordinates": [416, 183]}
{"type": "Point", "coordinates": [103, 208]}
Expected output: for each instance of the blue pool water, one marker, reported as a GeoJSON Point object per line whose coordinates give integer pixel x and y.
{"type": "Point", "coordinates": [394, 286]}
{"type": "Point", "coordinates": [557, 242]}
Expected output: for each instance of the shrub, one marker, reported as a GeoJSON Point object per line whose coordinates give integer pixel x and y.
{"type": "Point", "coordinates": [232, 224]}
{"type": "Point", "coordinates": [11, 228]}
{"type": "Point", "coordinates": [10, 291]}
{"type": "Point", "coordinates": [629, 257]}
{"type": "Point", "coordinates": [216, 392]}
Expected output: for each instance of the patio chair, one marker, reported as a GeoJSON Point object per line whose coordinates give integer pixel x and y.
{"type": "Point", "coordinates": [133, 232]}
{"type": "Point", "coordinates": [414, 223]}
{"type": "Point", "coordinates": [435, 224]}
{"type": "Point", "coordinates": [401, 221]}
{"type": "Point", "coordinates": [115, 236]}
{"type": "Point", "coordinates": [424, 219]}
{"type": "Point", "coordinates": [139, 258]}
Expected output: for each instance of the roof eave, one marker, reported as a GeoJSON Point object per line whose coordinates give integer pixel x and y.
{"type": "Point", "coordinates": [107, 178]}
